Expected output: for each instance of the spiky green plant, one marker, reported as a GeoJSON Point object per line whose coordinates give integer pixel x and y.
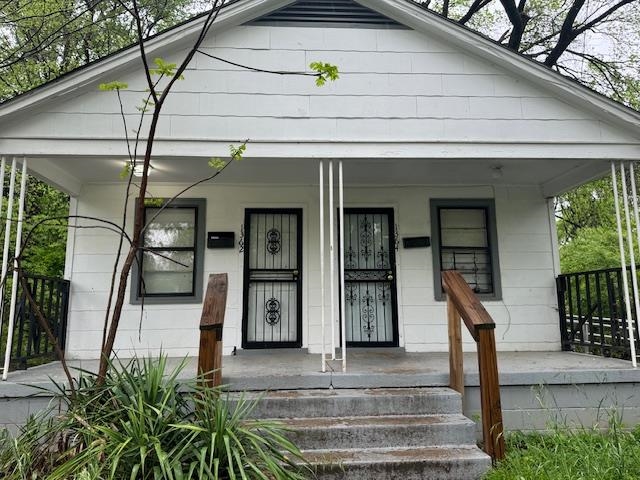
{"type": "Point", "coordinates": [145, 424]}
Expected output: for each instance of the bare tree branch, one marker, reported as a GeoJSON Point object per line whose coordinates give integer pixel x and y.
{"type": "Point", "coordinates": [475, 7]}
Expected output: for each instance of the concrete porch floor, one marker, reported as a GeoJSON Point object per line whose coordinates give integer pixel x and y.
{"type": "Point", "coordinates": [537, 388]}
{"type": "Point", "coordinates": [273, 370]}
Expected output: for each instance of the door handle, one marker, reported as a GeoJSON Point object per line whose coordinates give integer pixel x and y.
{"type": "Point", "coordinates": [390, 277]}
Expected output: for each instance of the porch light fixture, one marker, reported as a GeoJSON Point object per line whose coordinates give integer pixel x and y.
{"type": "Point", "coordinates": [496, 171]}
{"type": "Point", "coordinates": [139, 169]}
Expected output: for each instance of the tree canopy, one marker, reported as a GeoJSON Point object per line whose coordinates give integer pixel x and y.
{"type": "Point", "coordinates": [593, 41]}
{"type": "Point", "coordinates": [587, 229]}
{"type": "Point", "coordinates": [43, 39]}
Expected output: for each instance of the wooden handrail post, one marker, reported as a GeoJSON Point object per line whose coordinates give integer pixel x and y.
{"type": "Point", "coordinates": [492, 427]}
{"type": "Point", "coordinates": [211, 323]}
{"type": "Point", "coordinates": [456, 365]}
{"type": "Point", "coordinates": [463, 303]}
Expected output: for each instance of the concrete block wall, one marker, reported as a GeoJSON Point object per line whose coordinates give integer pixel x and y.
{"type": "Point", "coordinates": [395, 85]}
{"type": "Point", "coordinates": [540, 407]}
{"type": "Point", "coordinates": [526, 316]}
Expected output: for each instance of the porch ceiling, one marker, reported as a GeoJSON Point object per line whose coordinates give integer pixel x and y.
{"type": "Point", "coordinates": [552, 175]}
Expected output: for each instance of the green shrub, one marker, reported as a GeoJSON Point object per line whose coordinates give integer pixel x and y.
{"type": "Point", "coordinates": [144, 424]}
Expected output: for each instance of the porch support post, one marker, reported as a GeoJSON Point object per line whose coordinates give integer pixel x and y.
{"type": "Point", "coordinates": [322, 319]}
{"type": "Point", "coordinates": [634, 201]}
{"type": "Point", "coordinates": [2, 168]}
{"type": "Point", "coordinates": [343, 318]}
{"type": "Point", "coordinates": [3, 164]}
{"type": "Point", "coordinates": [7, 226]}
{"type": "Point", "coordinates": [14, 285]}
{"type": "Point", "coordinates": [5, 258]}
{"type": "Point", "coordinates": [332, 270]}
{"type": "Point", "coordinates": [623, 261]}
{"type": "Point", "coordinates": [632, 261]}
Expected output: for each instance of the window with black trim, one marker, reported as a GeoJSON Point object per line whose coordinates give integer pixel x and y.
{"type": "Point", "coordinates": [464, 239]}
{"type": "Point", "coordinates": [170, 266]}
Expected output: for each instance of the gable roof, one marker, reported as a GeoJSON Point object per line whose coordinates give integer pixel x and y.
{"type": "Point", "coordinates": [405, 12]}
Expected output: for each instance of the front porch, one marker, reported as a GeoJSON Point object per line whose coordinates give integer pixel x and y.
{"type": "Point", "coordinates": [537, 388]}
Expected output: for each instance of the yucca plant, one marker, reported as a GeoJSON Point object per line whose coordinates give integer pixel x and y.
{"type": "Point", "coordinates": [33, 451]}
{"type": "Point", "coordinates": [145, 424]}
{"type": "Point", "coordinates": [228, 445]}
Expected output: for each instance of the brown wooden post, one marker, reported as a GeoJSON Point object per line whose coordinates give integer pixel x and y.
{"type": "Point", "coordinates": [211, 323]}
{"type": "Point", "coordinates": [456, 366]}
{"type": "Point", "coordinates": [492, 427]}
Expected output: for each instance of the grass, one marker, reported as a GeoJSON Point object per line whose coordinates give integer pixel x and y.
{"type": "Point", "coordinates": [566, 454]}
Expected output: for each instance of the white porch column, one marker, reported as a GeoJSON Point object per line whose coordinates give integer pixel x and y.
{"type": "Point", "coordinates": [2, 169]}
{"type": "Point", "coordinates": [7, 226]}
{"type": "Point", "coordinates": [5, 257]}
{"type": "Point", "coordinates": [636, 214]}
{"type": "Point", "coordinates": [632, 261]}
{"type": "Point", "coordinates": [623, 260]}
{"type": "Point", "coordinates": [322, 240]}
{"type": "Point", "coordinates": [332, 270]}
{"type": "Point", "coordinates": [343, 317]}
{"type": "Point", "coordinates": [18, 246]}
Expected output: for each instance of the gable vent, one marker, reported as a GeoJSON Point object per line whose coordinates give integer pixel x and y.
{"type": "Point", "coordinates": [327, 13]}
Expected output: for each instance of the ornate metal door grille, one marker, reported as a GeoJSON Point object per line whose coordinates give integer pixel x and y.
{"type": "Point", "coordinates": [370, 286]}
{"type": "Point", "coordinates": [272, 278]}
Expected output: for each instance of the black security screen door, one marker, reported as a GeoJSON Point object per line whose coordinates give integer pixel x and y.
{"type": "Point", "coordinates": [272, 278]}
{"type": "Point", "coordinates": [370, 285]}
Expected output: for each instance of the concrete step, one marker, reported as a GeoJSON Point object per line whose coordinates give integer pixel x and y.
{"type": "Point", "coordinates": [380, 431]}
{"type": "Point", "coordinates": [356, 402]}
{"type": "Point", "coordinates": [417, 463]}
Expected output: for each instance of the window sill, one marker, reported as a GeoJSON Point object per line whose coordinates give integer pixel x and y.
{"type": "Point", "coordinates": [167, 300]}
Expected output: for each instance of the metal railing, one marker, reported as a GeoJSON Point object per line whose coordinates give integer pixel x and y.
{"type": "Point", "coordinates": [31, 345]}
{"type": "Point", "coordinates": [592, 312]}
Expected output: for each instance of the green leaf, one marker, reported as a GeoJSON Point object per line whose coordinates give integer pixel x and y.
{"type": "Point", "coordinates": [324, 71]}
{"type": "Point", "coordinates": [163, 69]}
{"type": "Point", "coordinates": [126, 171]}
{"type": "Point", "coordinates": [237, 152]}
{"type": "Point", "coordinates": [217, 163]}
{"type": "Point", "coordinates": [112, 86]}
{"type": "Point", "coordinates": [153, 202]}
{"type": "Point", "coordinates": [146, 103]}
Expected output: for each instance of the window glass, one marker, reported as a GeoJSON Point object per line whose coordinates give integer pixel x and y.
{"type": "Point", "coordinates": [464, 245]}
{"type": "Point", "coordinates": [170, 266]}
{"type": "Point", "coordinates": [172, 227]}
{"type": "Point", "coordinates": [464, 234]}
{"type": "Point", "coordinates": [463, 227]}
{"type": "Point", "coordinates": [168, 262]}
{"type": "Point", "coordinates": [168, 272]}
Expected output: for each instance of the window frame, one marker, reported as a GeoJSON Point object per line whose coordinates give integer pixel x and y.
{"type": "Point", "coordinates": [487, 204]}
{"type": "Point", "coordinates": [199, 204]}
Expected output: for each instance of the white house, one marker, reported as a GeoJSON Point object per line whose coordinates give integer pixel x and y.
{"type": "Point", "coordinates": [452, 149]}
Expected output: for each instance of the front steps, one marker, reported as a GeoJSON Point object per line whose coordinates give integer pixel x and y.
{"type": "Point", "coordinates": [408, 433]}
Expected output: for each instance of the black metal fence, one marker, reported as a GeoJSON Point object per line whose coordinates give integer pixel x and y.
{"type": "Point", "coordinates": [593, 316]}
{"type": "Point", "coordinates": [31, 345]}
